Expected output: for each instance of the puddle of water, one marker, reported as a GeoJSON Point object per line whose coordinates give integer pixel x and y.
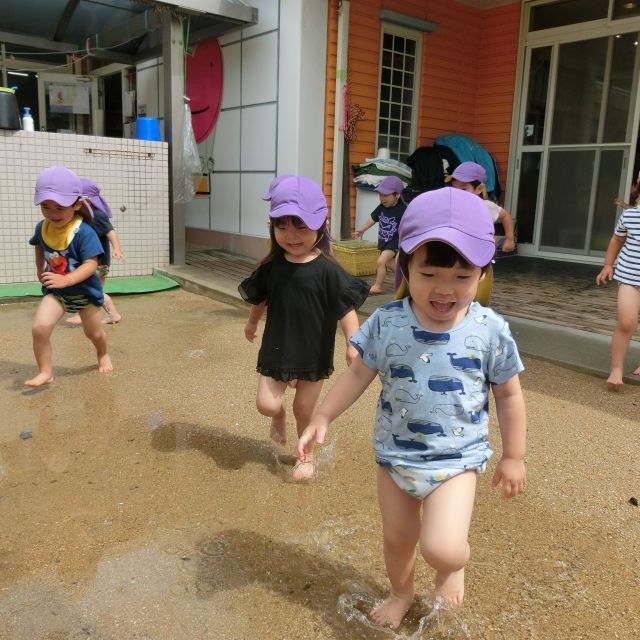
{"type": "Point", "coordinates": [441, 622]}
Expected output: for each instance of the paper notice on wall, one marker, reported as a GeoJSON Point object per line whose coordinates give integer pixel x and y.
{"type": "Point", "coordinates": [69, 98]}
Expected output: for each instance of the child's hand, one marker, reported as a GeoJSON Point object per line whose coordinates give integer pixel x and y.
{"type": "Point", "coordinates": [508, 245]}
{"type": "Point", "coordinates": [605, 275]}
{"type": "Point", "coordinates": [251, 331]}
{"type": "Point", "coordinates": [312, 435]}
{"type": "Point", "coordinates": [352, 353]}
{"type": "Point", "coordinates": [53, 280]}
{"type": "Point", "coordinates": [357, 233]}
{"type": "Point", "coordinates": [619, 202]}
{"type": "Point", "coordinates": [512, 474]}
{"type": "Point", "coordinates": [119, 255]}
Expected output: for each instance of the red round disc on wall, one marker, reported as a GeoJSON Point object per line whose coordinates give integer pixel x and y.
{"type": "Point", "coordinates": [204, 86]}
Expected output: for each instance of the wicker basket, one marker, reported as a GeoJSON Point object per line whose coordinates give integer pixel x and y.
{"type": "Point", "coordinates": [358, 257]}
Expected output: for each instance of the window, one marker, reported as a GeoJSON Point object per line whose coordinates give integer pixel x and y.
{"type": "Point", "coordinates": [399, 89]}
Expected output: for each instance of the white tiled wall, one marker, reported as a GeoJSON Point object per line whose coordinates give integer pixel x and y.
{"type": "Point", "coordinates": [133, 177]}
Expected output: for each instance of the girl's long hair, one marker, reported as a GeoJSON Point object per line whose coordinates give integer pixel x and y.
{"type": "Point", "coordinates": [323, 242]}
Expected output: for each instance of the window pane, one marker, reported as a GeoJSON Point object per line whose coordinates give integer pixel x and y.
{"type": "Point", "coordinates": [560, 14]}
{"type": "Point", "coordinates": [604, 216]}
{"type": "Point", "coordinates": [385, 92]}
{"type": "Point", "coordinates": [394, 128]}
{"type": "Point", "coordinates": [579, 91]}
{"type": "Point", "coordinates": [395, 111]}
{"type": "Point", "coordinates": [566, 199]}
{"type": "Point", "coordinates": [385, 76]}
{"type": "Point", "coordinates": [409, 63]}
{"type": "Point", "coordinates": [619, 99]}
{"type": "Point", "coordinates": [387, 41]}
{"type": "Point", "coordinates": [406, 113]}
{"type": "Point", "coordinates": [396, 94]}
{"type": "Point", "coordinates": [537, 99]}
{"type": "Point", "coordinates": [411, 47]}
{"type": "Point", "coordinates": [386, 59]}
{"type": "Point", "coordinates": [528, 195]}
{"type": "Point", "coordinates": [406, 129]}
{"type": "Point", "coordinates": [625, 9]}
{"type": "Point", "coordinates": [397, 78]}
{"type": "Point", "coordinates": [384, 110]}
{"type": "Point", "coordinates": [397, 61]}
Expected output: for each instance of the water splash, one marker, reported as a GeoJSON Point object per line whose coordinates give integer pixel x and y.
{"type": "Point", "coordinates": [440, 623]}
{"type": "Point", "coordinates": [324, 459]}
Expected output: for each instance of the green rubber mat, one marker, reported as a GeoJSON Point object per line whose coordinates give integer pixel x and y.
{"type": "Point", "coordinates": [129, 284]}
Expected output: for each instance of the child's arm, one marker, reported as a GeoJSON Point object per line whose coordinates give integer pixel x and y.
{"type": "Point", "coordinates": [61, 280]}
{"type": "Point", "coordinates": [358, 233]}
{"type": "Point", "coordinates": [349, 325]}
{"type": "Point", "coordinates": [504, 218]}
{"type": "Point", "coordinates": [115, 243]}
{"type": "Point", "coordinates": [615, 244]}
{"type": "Point", "coordinates": [511, 472]}
{"type": "Point", "coordinates": [250, 329]}
{"type": "Point", "coordinates": [619, 202]}
{"type": "Point", "coordinates": [347, 389]}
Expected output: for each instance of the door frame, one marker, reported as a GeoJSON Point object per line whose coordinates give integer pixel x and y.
{"type": "Point", "coordinates": [554, 38]}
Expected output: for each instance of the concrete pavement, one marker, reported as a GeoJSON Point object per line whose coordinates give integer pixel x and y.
{"type": "Point", "coordinates": [581, 350]}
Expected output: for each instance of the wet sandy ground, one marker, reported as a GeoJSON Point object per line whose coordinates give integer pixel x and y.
{"type": "Point", "coordinates": [149, 503]}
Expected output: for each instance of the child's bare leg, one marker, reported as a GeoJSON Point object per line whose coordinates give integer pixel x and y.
{"type": "Point", "coordinates": [381, 270]}
{"type": "Point", "coordinates": [47, 316]}
{"type": "Point", "coordinates": [304, 404]}
{"type": "Point", "coordinates": [401, 530]}
{"type": "Point", "coordinates": [270, 403]}
{"type": "Point", "coordinates": [113, 316]}
{"type": "Point", "coordinates": [628, 308]}
{"type": "Point", "coordinates": [74, 320]}
{"type": "Point", "coordinates": [444, 536]}
{"type": "Point", "coordinates": [92, 325]}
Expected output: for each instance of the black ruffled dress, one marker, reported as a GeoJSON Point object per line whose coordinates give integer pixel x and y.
{"type": "Point", "coordinates": [304, 303]}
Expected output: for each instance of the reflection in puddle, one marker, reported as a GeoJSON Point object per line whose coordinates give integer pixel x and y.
{"type": "Point", "coordinates": [440, 622]}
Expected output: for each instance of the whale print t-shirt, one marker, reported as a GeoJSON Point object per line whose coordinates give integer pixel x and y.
{"type": "Point", "coordinates": [434, 402]}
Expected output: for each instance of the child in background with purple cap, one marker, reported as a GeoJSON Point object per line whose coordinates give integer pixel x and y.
{"type": "Point", "coordinates": [67, 256]}
{"type": "Point", "coordinates": [387, 215]}
{"type": "Point", "coordinates": [438, 355]}
{"type": "Point", "coordinates": [305, 294]}
{"type": "Point", "coordinates": [107, 235]}
{"type": "Point", "coordinates": [472, 177]}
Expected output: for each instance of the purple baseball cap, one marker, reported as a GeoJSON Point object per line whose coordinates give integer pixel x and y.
{"type": "Point", "coordinates": [274, 183]}
{"type": "Point", "coordinates": [58, 184]}
{"type": "Point", "coordinates": [469, 172]}
{"type": "Point", "coordinates": [454, 216]}
{"type": "Point", "coordinates": [301, 197]}
{"type": "Point", "coordinates": [391, 184]}
{"type": "Point", "coordinates": [91, 191]}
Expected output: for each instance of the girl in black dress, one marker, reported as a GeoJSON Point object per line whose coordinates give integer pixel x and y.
{"type": "Point", "coordinates": [306, 293]}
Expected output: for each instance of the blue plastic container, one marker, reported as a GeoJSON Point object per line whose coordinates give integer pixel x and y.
{"type": "Point", "coordinates": [148, 129]}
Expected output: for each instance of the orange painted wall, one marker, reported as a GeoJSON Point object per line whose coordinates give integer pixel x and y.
{"type": "Point", "coordinates": [467, 75]}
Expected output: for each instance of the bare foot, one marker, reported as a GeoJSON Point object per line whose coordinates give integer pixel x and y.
{"type": "Point", "coordinates": [375, 291]}
{"type": "Point", "coordinates": [112, 319]}
{"type": "Point", "coordinates": [39, 380]}
{"type": "Point", "coordinates": [104, 364]}
{"type": "Point", "coordinates": [278, 431]}
{"type": "Point", "coordinates": [303, 470]}
{"type": "Point", "coordinates": [391, 611]}
{"type": "Point", "coordinates": [636, 372]}
{"type": "Point", "coordinates": [450, 586]}
{"type": "Point", "coordinates": [614, 381]}
{"type": "Point", "coordinates": [74, 321]}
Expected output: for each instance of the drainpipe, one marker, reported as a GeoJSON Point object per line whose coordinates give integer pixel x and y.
{"type": "Point", "coordinates": [338, 135]}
